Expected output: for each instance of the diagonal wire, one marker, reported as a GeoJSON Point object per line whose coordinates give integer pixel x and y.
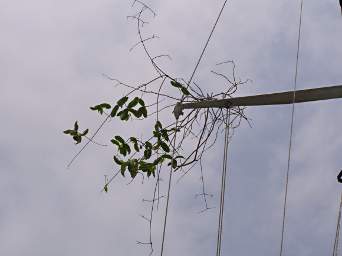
{"type": "Point", "coordinates": [291, 130]}
{"type": "Point", "coordinates": [337, 235]}
{"type": "Point", "coordinates": [206, 44]}
{"type": "Point", "coordinates": [191, 77]}
{"type": "Point", "coordinates": [168, 192]}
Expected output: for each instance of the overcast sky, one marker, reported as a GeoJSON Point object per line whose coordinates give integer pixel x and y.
{"type": "Point", "coordinates": [52, 57]}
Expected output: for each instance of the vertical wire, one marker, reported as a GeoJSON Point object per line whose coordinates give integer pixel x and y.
{"type": "Point", "coordinates": [223, 186]}
{"type": "Point", "coordinates": [291, 131]}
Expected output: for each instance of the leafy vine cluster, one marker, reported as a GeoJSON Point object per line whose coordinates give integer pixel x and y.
{"type": "Point", "coordinates": [125, 109]}
{"type": "Point", "coordinates": [201, 125]}
{"type": "Point", "coordinates": [197, 129]}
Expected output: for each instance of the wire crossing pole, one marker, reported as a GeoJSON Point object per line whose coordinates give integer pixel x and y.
{"type": "Point", "coordinates": [306, 95]}
{"type": "Point", "coordinates": [280, 98]}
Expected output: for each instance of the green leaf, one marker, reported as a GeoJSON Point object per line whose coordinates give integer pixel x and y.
{"type": "Point", "coordinates": [76, 126]}
{"type": "Point", "coordinates": [136, 147]}
{"type": "Point", "coordinates": [122, 101]}
{"type": "Point", "coordinates": [97, 108]}
{"type": "Point", "coordinates": [156, 134]}
{"type": "Point", "coordinates": [166, 156]}
{"type": "Point", "coordinates": [127, 148]}
{"type": "Point", "coordinates": [133, 167]}
{"type": "Point", "coordinates": [124, 116]}
{"type": "Point", "coordinates": [143, 166]}
{"type": "Point", "coordinates": [158, 160]}
{"type": "Point", "coordinates": [123, 168]}
{"type": "Point", "coordinates": [121, 145]}
{"type": "Point", "coordinates": [115, 142]}
{"type": "Point", "coordinates": [117, 160]}
{"type": "Point", "coordinates": [185, 91]}
{"type": "Point", "coordinates": [143, 111]}
{"type": "Point", "coordinates": [148, 145]}
{"type": "Point", "coordinates": [164, 134]}
{"type": "Point", "coordinates": [181, 87]}
{"type": "Point", "coordinates": [133, 173]}
{"type": "Point", "coordinates": [136, 113]}
{"type": "Point", "coordinates": [147, 153]}
{"type": "Point", "coordinates": [120, 139]}
{"type": "Point", "coordinates": [114, 111]}
{"type": "Point", "coordinates": [100, 107]}
{"type": "Point", "coordinates": [157, 145]}
{"type": "Point", "coordinates": [158, 126]}
{"type": "Point", "coordinates": [71, 132]}
{"type": "Point", "coordinates": [164, 146]}
{"type": "Point", "coordinates": [161, 159]}
{"type": "Point", "coordinates": [85, 132]}
{"type": "Point", "coordinates": [135, 143]}
{"type": "Point", "coordinates": [149, 168]}
{"type": "Point", "coordinates": [151, 171]}
{"type": "Point", "coordinates": [141, 102]}
{"type": "Point", "coordinates": [133, 139]}
{"type": "Point", "coordinates": [133, 102]}
{"type": "Point", "coordinates": [105, 105]}
{"type": "Point", "coordinates": [176, 84]}
{"type": "Point", "coordinates": [122, 151]}
{"type": "Point", "coordinates": [77, 138]}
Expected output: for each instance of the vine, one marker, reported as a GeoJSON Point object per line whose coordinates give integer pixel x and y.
{"type": "Point", "coordinates": [197, 130]}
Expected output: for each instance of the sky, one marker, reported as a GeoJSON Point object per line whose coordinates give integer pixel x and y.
{"type": "Point", "coordinates": [53, 57]}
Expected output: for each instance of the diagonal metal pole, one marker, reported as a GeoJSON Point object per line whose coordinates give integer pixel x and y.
{"type": "Point", "coordinates": [306, 95]}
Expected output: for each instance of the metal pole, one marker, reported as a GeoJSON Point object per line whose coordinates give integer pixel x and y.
{"type": "Point", "coordinates": [306, 95]}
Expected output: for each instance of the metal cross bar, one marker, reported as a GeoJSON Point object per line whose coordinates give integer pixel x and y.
{"type": "Point", "coordinates": [322, 93]}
